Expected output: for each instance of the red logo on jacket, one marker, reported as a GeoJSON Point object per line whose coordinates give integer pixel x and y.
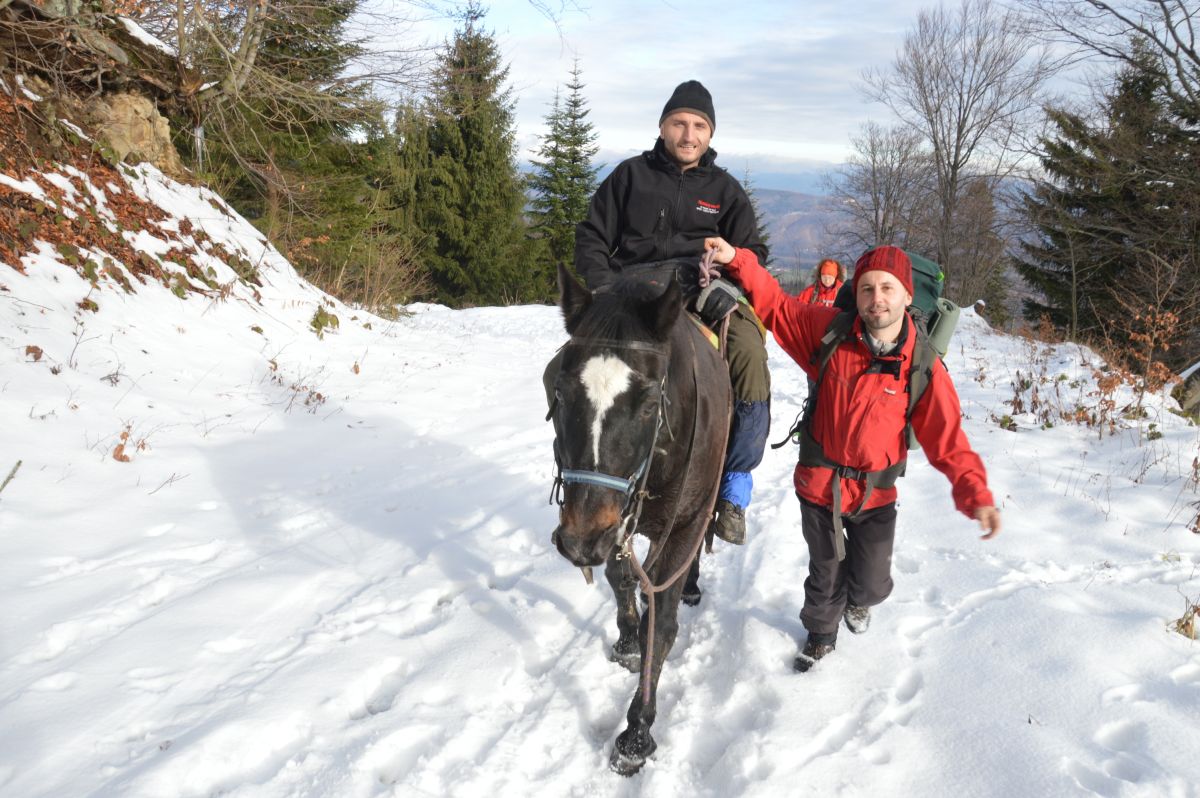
{"type": "Point", "coordinates": [707, 207]}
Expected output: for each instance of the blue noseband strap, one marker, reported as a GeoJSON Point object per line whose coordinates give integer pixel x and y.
{"type": "Point", "coordinates": [625, 486]}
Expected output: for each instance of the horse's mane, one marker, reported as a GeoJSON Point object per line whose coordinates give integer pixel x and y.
{"type": "Point", "coordinates": [615, 312]}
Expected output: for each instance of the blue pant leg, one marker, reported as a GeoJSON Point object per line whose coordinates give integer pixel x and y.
{"type": "Point", "coordinates": [751, 380]}
{"type": "Point", "coordinates": [747, 440]}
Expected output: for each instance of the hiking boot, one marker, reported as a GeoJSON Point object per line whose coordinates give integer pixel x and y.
{"type": "Point", "coordinates": [730, 525]}
{"type": "Point", "coordinates": [809, 655]}
{"type": "Point", "coordinates": [857, 619]}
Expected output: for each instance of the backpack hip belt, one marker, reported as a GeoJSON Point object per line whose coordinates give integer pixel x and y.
{"type": "Point", "coordinates": [813, 456]}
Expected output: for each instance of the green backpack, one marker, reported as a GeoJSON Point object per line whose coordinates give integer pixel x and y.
{"type": "Point", "coordinates": [929, 308]}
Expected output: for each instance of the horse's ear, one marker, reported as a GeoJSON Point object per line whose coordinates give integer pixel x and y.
{"type": "Point", "coordinates": [662, 313]}
{"type": "Point", "coordinates": [573, 298]}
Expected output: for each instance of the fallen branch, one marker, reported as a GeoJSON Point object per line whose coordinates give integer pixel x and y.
{"type": "Point", "coordinates": [10, 476]}
{"type": "Point", "coordinates": [171, 480]}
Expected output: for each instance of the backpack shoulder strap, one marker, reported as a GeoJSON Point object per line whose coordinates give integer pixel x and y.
{"type": "Point", "coordinates": [837, 331]}
{"type": "Point", "coordinates": [920, 375]}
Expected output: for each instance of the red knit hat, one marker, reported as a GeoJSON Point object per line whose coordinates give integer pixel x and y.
{"type": "Point", "coordinates": [886, 259]}
{"type": "Point", "coordinates": [828, 266]}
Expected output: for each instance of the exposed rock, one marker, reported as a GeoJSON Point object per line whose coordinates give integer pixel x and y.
{"type": "Point", "coordinates": [106, 79]}
{"type": "Point", "coordinates": [135, 131]}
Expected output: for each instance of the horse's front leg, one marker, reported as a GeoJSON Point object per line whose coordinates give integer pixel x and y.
{"type": "Point", "coordinates": [691, 588]}
{"type": "Point", "coordinates": [626, 651]}
{"type": "Point", "coordinates": [635, 743]}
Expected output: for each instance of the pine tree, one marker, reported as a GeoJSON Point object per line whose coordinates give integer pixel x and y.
{"type": "Point", "coordinates": [272, 142]}
{"type": "Point", "coordinates": [298, 161]}
{"type": "Point", "coordinates": [469, 195]}
{"type": "Point", "coordinates": [563, 178]}
{"type": "Point", "coordinates": [1118, 217]}
{"type": "Point", "coordinates": [763, 234]}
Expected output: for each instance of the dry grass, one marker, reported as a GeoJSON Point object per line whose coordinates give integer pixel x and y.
{"type": "Point", "coordinates": [1186, 623]}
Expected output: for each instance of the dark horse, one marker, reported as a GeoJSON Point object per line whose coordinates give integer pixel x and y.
{"type": "Point", "coordinates": [641, 410]}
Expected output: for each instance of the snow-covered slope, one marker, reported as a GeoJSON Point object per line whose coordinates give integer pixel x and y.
{"type": "Point", "coordinates": [241, 559]}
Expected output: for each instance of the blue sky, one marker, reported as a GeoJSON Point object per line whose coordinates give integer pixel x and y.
{"type": "Point", "coordinates": [784, 75]}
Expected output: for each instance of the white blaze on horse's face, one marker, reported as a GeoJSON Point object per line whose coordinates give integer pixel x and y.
{"type": "Point", "coordinates": [604, 378]}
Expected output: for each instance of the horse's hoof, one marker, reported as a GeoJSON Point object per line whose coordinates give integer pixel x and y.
{"type": "Point", "coordinates": [626, 766]}
{"type": "Point", "coordinates": [628, 657]}
{"type": "Point", "coordinates": [630, 751]}
{"type": "Point", "coordinates": [692, 597]}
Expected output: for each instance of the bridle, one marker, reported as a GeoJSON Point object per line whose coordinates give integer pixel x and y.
{"type": "Point", "coordinates": [633, 487]}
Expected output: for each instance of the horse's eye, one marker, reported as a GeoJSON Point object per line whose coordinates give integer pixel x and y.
{"type": "Point", "coordinates": [649, 408]}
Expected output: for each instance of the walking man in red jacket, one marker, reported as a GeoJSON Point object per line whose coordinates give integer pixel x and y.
{"type": "Point", "coordinates": [858, 433]}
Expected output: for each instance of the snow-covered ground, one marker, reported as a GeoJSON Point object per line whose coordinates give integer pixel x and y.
{"type": "Point", "coordinates": [325, 570]}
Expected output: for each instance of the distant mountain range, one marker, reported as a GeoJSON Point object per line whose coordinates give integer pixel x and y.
{"type": "Point", "coordinates": [796, 227]}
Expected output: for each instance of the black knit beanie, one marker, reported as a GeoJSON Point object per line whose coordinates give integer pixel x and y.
{"type": "Point", "coordinates": [691, 96]}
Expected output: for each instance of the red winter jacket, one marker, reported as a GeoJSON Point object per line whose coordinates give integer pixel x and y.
{"type": "Point", "coordinates": [859, 420]}
{"type": "Point", "coordinates": [824, 296]}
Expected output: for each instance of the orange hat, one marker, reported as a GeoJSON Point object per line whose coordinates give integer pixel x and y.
{"type": "Point", "coordinates": [829, 267]}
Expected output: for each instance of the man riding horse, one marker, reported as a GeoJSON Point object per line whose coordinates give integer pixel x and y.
{"type": "Point", "coordinates": [640, 402]}
{"type": "Point", "coordinates": [660, 206]}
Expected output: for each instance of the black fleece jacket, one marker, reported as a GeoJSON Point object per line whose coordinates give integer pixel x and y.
{"type": "Point", "coordinates": [649, 210]}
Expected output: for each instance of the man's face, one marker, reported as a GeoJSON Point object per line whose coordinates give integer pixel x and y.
{"type": "Point", "coordinates": [686, 136]}
{"type": "Point", "coordinates": [881, 302]}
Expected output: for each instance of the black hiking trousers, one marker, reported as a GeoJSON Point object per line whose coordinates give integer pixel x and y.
{"type": "Point", "coordinates": [863, 579]}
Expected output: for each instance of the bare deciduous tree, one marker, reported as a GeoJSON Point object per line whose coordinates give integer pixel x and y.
{"type": "Point", "coordinates": [1105, 28]}
{"type": "Point", "coordinates": [234, 91]}
{"type": "Point", "coordinates": [969, 82]}
{"type": "Point", "coordinates": [881, 195]}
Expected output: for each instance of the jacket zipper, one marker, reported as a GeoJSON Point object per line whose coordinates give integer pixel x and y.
{"type": "Point", "coordinates": [662, 217]}
{"type": "Point", "coordinates": [660, 240]}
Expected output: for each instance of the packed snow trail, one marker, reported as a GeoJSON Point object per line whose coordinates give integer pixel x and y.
{"type": "Point", "coordinates": [328, 572]}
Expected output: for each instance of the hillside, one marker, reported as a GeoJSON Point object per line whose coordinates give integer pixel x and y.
{"type": "Point", "coordinates": [796, 224]}
{"type": "Point", "coordinates": [255, 542]}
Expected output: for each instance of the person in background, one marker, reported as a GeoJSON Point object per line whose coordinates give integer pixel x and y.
{"type": "Point", "coordinates": [827, 279]}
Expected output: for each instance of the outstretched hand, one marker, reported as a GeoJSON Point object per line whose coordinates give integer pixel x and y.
{"type": "Point", "coordinates": [989, 521]}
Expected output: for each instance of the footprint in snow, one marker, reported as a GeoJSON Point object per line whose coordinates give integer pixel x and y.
{"type": "Point", "coordinates": [375, 692]}
{"type": "Point", "coordinates": [1125, 694]}
{"type": "Point", "coordinates": [55, 683]}
{"type": "Point", "coordinates": [394, 757]}
{"type": "Point", "coordinates": [228, 645]}
{"type": "Point", "coordinates": [913, 631]}
{"type": "Point", "coordinates": [151, 681]}
{"type": "Point", "coordinates": [1123, 738]}
{"type": "Point", "coordinates": [1186, 674]}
